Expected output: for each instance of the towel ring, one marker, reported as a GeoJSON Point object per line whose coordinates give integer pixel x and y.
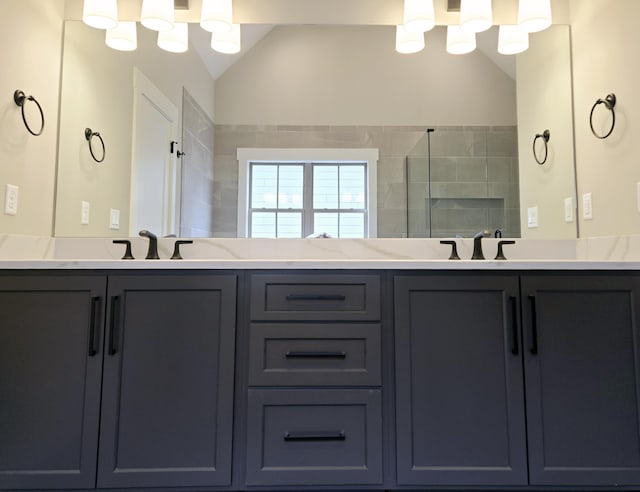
{"type": "Point", "coordinates": [545, 136]}
{"type": "Point", "coordinates": [20, 98]}
{"type": "Point", "coordinates": [89, 134]}
{"type": "Point", "coordinates": [609, 103]}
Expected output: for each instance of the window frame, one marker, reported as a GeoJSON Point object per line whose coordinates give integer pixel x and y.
{"type": "Point", "coordinates": [246, 156]}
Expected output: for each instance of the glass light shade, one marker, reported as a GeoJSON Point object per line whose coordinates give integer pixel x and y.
{"type": "Point", "coordinates": [157, 15]}
{"type": "Point", "coordinates": [123, 37]}
{"type": "Point", "coordinates": [216, 15]}
{"type": "Point", "coordinates": [419, 15]}
{"type": "Point", "coordinates": [102, 14]}
{"type": "Point", "coordinates": [176, 40]}
{"type": "Point", "coordinates": [476, 15]}
{"type": "Point", "coordinates": [534, 15]}
{"type": "Point", "coordinates": [511, 40]}
{"type": "Point", "coordinates": [408, 42]}
{"type": "Point", "coordinates": [227, 42]}
{"type": "Point", "coordinates": [460, 42]}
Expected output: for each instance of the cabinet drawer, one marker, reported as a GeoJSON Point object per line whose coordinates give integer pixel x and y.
{"type": "Point", "coordinates": [315, 355]}
{"type": "Point", "coordinates": [324, 437]}
{"type": "Point", "coordinates": [315, 297]}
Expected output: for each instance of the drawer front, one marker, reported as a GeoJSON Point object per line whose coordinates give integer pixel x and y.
{"type": "Point", "coordinates": [315, 355]}
{"type": "Point", "coordinates": [323, 437]}
{"type": "Point", "coordinates": [315, 297]}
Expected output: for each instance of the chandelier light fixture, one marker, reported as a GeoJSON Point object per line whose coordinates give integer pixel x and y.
{"type": "Point", "coordinates": [408, 42]}
{"type": "Point", "coordinates": [216, 15]}
{"type": "Point", "coordinates": [512, 40]}
{"type": "Point", "coordinates": [101, 14]}
{"type": "Point", "coordinates": [460, 42]}
{"type": "Point", "coordinates": [476, 15]}
{"type": "Point", "coordinates": [176, 40]}
{"type": "Point", "coordinates": [534, 15]}
{"type": "Point", "coordinates": [227, 42]}
{"type": "Point", "coordinates": [123, 37]}
{"type": "Point", "coordinates": [419, 15]}
{"type": "Point", "coordinates": [157, 15]}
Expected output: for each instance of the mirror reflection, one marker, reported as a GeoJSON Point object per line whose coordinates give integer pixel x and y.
{"type": "Point", "coordinates": [313, 87]}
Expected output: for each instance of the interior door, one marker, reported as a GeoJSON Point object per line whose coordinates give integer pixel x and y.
{"type": "Point", "coordinates": [153, 170]}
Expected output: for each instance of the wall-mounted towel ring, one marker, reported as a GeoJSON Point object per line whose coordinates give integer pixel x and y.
{"type": "Point", "coordinates": [20, 98]}
{"type": "Point", "coordinates": [609, 103]}
{"type": "Point", "coordinates": [89, 134]}
{"type": "Point", "coordinates": [545, 136]}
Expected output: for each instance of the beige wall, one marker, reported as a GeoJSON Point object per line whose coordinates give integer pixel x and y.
{"type": "Point", "coordinates": [31, 37]}
{"type": "Point", "coordinates": [545, 103]}
{"type": "Point", "coordinates": [97, 92]}
{"type": "Point", "coordinates": [606, 59]}
{"type": "Point", "coordinates": [326, 75]}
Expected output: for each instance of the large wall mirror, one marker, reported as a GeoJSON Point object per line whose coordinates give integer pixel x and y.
{"type": "Point", "coordinates": [314, 87]}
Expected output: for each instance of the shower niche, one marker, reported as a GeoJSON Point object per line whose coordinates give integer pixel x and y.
{"type": "Point", "coordinates": [461, 180]}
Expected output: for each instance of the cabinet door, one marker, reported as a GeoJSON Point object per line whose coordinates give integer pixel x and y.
{"type": "Point", "coordinates": [581, 368]}
{"type": "Point", "coordinates": [50, 371]}
{"type": "Point", "coordinates": [168, 381]}
{"type": "Point", "coordinates": [459, 390]}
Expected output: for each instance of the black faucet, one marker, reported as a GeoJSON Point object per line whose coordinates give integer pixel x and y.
{"type": "Point", "coordinates": [477, 246]}
{"type": "Point", "coordinates": [152, 252]}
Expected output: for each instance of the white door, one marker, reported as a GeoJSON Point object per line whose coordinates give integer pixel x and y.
{"type": "Point", "coordinates": [153, 168]}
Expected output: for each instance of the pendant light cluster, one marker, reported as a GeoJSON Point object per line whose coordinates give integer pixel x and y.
{"type": "Point", "coordinates": [159, 15]}
{"type": "Point", "coordinates": [475, 16]}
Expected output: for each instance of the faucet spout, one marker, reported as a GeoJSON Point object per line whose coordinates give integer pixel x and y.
{"type": "Point", "coordinates": [477, 246]}
{"type": "Point", "coordinates": [152, 252]}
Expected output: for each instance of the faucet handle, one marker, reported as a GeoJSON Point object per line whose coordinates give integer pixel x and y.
{"type": "Point", "coordinates": [454, 249]}
{"type": "Point", "coordinates": [500, 255]}
{"type": "Point", "coordinates": [176, 248]}
{"type": "Point", "coordinates": [127, 252]}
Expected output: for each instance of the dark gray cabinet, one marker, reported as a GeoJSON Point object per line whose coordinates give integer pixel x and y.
{"type": "Point", "coordinates": [51, 330]}
{"type": "Point", "coordinates": [167, 408]}
{"type": "Point", "coordinates": [581, 338]}
{"type": "Point", "coordinates": [459, 391]}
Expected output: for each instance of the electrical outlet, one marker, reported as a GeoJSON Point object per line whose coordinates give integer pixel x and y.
{"type": "Point", "coordinates": [85, 209]}
{"type": "Point", "coordinates": [114, 219]}
{"type": "Point", "coordinates": [587, 206]}
{"type": "Point", "coordinates": [568, 209]}
{"type": "Point", "coordinates": [11, 200]}
{"type": "Point", "coordinates": [532, 217]}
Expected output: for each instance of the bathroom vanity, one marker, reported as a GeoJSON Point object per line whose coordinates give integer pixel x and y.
{"type": "Point", "coordinates": [284, 375]}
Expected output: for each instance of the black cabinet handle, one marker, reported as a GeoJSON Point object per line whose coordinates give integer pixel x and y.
{"type": "Point", "coordinates": [514, 324]}
{"type": "Point", "coordinates": [315, 355]}
{"type": "Point", "coordinates": [114, 335]}
{"type": "Point", "coordinates": [94, 331]}
{"type": "Point", "coordinates": [315, 436]}
{"type": "Point", "coordinates": [316, 297]}
{"type": "Point", "coordinates": [534, 326]}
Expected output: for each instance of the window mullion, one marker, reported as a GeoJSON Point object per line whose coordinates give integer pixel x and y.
{"type": "Point", "coordinates": [307, 200]}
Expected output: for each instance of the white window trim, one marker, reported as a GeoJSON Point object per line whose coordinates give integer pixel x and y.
{"type": "Point", "coordinates": [247, 155]}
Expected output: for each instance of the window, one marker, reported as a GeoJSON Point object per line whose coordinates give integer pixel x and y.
{"type": "Point", "coordinates": [293, 193]}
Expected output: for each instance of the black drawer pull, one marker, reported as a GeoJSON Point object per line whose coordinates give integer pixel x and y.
{"type": "Point", "coordinates": [94, 334]}
{"type": "Point", "coordinates": [534, 326]}
{"type": "Point", "coordinates": [315, 355]}
{"type": "Point", "coordinates": [514, 325]}
{"type": "Point", "coordinates": [316, 297]}
{"type": "Point", "coordinates": [315, 436]}
{"type": "Point", "coordinates": [114, 335]}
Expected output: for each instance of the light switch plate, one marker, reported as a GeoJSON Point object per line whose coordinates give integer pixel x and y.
{"type": "Point", "coordinates": [587, 206]}
{"type": "Point", "coordinates": [85, 209]}
{"type": "Point", "coordinates": [532, 217]}
{"type": "Point", "coordinates": [568, 209]}
{"type": "Point", "coordinates": [114, 219]}
{"type": "Point", "coordinates": [11, 200]}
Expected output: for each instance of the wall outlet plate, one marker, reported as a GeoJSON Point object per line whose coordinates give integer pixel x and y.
{"type": "Point", "coordinates": [532, 217]}
{"type": "Point", "coordinates": [568, 209]}
{"type": "Point", "coordinates": [85, 209]}
{"type": "Point", "coordinates": [587, 206]}
{"type": "Point", "coordinates": [11, 200]}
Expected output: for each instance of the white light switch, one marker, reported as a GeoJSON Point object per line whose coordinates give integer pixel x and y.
{"type": "Point", "coordinates": [85, 209]}
{"type": "Point", "coordinates": [532, 217]}
{"type": "Point", "coordinates": [568, 209]}
{"type": "Point", "coordinates": [11, 200]}
{"type": "Point", "coordinates": [114, 219]}
{"type": "Point", "coordinates": [587, 206]}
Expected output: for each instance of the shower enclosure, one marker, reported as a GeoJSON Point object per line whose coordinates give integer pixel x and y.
{"type": "Point", "coordinates": [461, 180]}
